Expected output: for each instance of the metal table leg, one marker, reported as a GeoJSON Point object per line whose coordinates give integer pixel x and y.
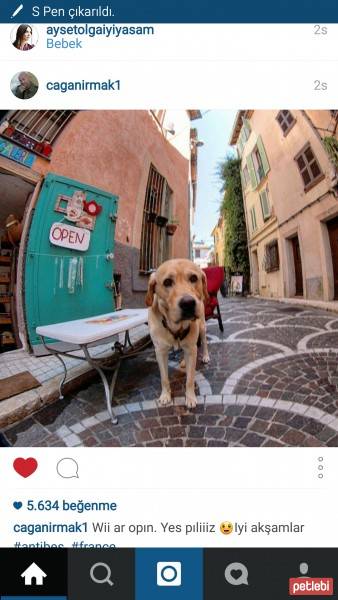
{"type": "Point", "coordinates": [100, 366]}
{"type": "Point", "coordinates": [59, 357]}
{"type": "Point", "coordinates": [61, 396]}
{"type": "Point", "coordinates": [108, 389]}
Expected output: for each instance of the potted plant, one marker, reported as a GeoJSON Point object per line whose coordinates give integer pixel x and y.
{"type": "Point", "coordinates": [171, 226]}
{"type": "Point", "coordinates": [161, 221]}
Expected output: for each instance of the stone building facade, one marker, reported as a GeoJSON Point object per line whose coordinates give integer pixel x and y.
{"type": "Point", "coordinates": [289, 164]}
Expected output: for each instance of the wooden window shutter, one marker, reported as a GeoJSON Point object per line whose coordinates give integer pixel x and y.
{"type": "Point", "coordinates": [252, 172]}
{"type": "Point", "coordinates": [247, 128]}
{"type": "Point", "coordinates": [265, 204]}
{"type": "Point", "coordinates": [263, 155]}
{"type": "Point", "coordinates": [253, 218]}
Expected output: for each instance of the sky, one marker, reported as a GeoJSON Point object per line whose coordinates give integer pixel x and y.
{"type": "Point", "coordinates": [214, 130]}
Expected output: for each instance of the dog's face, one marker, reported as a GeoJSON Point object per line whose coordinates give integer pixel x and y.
{"type": "Point", "coordinates": [181, 288]}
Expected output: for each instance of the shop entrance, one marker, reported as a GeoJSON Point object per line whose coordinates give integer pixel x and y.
{"type": "Point", "coordinates": [332, 227]}
{"type": "Point", "coordinates": [69, 262]}
{"type": "Point", "coordinates": [15, 195]}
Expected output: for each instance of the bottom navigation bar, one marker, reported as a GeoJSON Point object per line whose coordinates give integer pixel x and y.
{"type": "Point", "coordinates": [136, 574]}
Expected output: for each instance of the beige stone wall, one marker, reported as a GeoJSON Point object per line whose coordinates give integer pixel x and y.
{"type": "Point", "coordinates": [298, 212]}
{"type": "Point", "coordinates": [218, 235]}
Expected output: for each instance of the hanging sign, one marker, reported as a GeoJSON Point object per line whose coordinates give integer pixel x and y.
{"type": "Point", "coordinates": [68, 236]}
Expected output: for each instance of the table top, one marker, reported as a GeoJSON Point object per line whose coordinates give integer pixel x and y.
{"type": "Point", "coordinates": [93, 329]}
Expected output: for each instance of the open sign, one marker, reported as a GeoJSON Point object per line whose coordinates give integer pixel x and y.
{"type": "Point", "coordinates": [68, 236]}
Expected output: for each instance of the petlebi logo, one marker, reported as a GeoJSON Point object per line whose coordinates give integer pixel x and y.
{"type": "Point", "coordinates": [169, 573]}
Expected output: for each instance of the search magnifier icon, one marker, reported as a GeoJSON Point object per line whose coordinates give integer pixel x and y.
{"type": "Point", "coordinates": [104, 577]}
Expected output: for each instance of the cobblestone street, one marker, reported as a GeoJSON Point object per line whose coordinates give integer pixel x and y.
{"type": "Point", "coordinates": [272, 381]}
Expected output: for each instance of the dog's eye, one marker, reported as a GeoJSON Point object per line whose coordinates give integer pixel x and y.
{"type": "Point", "coordinates": [193, 278]}
{"type": "Point", "coordinates": [168, 282]}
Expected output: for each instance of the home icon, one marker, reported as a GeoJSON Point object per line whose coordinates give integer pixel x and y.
{"type": "Point", "coordinates": [33, 575]}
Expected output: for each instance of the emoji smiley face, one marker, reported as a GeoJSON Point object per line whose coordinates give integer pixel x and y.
{"type": "Point", "coordinates": [226, 527]}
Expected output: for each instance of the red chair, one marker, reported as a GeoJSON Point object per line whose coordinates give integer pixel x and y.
{"type": "Point", "coordinates": [215, 279]}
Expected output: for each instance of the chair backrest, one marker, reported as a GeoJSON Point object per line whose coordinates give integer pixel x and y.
{"type": "Point", "coordinates": [215, 278]}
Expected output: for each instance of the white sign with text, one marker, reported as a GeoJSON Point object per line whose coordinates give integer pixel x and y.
{"type": "Point", "coordinates": [68, 236]}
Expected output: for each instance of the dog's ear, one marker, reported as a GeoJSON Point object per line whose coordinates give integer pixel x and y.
{"type": "Point", "coordinates": [151, 289]}
{"type": "Point", "coordinates": [205, 287]}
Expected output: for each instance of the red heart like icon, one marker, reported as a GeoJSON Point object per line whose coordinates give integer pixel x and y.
{"type": "Point", "coordinates": [25, 466]}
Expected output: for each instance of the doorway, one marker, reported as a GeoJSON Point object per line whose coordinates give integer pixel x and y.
{"type": "Point", "coordinates": [16, 194]}
{"type": "Point", "coordinates": [255, 272]}
{"type": "Point", "coordinates": [297, 259]}
{"type": "Point", "coordinates": [332, 227]}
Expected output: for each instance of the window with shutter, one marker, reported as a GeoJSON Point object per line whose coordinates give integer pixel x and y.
{"type": "Point", "coordinates": [246, 128]}
{"type": "Point", "coordinates": [259, 163]}
{"type": "Point", "coordinates": [240, 144]}
{"type": "Point", "coordinates": [253, 219]}
{"type": "Point", "coordinates": [154, 241]}
{"type": "Point", "coordinates": [246, 176]}
{"type": "Point", "coordinates": [309, 167]}
{"type": "Point", "coordinates": [271, 257]}
{"type": "Point", "coordinates": [252, 172]}
{"type": "Point", "coordinates": [265, 204]}
{"type": "Point", "coordinates": [263, 156]}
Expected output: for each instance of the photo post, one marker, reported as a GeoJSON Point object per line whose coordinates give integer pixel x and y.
{"type": "Point", "coordinates": [168, 301]}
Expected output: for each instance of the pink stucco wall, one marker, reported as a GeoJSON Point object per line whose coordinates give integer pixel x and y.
{"type": "Point", "coordinates": [113, 150]}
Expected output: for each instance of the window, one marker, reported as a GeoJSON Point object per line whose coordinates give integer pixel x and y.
{"type": "Point", "coordinates": [36, 130]}
{"type": "Point", "coordinates": [286, 120]}
{"type": "Point", "coordinates": [257, 160]}
{"type": "Point", "coordinates": [243, 136]}
{"type": "Point", "coordinates": [240, 145]}
{"type": "Point", "coordinates": [258, 164]}
{"type": "Point", "coordinates": [246, 176]}
{"type": "Point", "coordinates": [308, 167]}
{"type": "Point", "coordinates": [197, 253]}
{"type": "Point", "coordinates": [271, 258]}
{"type": "Point", "coordinates": [246, 129]}
{"type": "Point", "coordinates": [265, 204]}
{"type": "Point", "coordinates": [253, 219]}
{"type": "Point", "coordinates": [155, 243]}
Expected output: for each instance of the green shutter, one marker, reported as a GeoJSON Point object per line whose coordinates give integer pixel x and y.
{"type": "Point", "coordinates": [252, 171]}
{"type": "Point", "coordinates": [263, 155]}
{"type": "Point", "coordinates": [265, 204]}
{"type": "Point", "coordinates": [253, 218]}
{"type": "Point", "coordinates": [240, 144]}
{"type": "Point", "coordinates": [247, 128]}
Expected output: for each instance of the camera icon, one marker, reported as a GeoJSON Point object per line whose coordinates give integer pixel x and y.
{"type": "Point", "coordinates": [169, 573]}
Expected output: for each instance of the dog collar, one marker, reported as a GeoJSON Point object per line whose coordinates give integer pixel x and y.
{"type": "Point", "coordinates": [179, 335]}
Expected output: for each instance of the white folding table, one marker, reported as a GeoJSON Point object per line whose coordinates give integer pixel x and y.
{"type": "Point", "coordinates": [83, 333]}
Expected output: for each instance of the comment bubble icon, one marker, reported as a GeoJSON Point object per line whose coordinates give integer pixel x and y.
{"type": "Point", "coordinates": [67, 468]}
{"type": "Point", "coordinates": [236, 574]}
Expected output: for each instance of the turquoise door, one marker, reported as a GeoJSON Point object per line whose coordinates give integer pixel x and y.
{"type": "Point", "coordinates": [69, 260]}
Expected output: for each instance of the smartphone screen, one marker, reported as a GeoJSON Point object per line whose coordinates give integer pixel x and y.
{"type": "Point", "coordinates": [168, 300]}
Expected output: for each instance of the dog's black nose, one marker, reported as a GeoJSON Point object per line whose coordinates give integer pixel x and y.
{"type": "Point", "coordinates": [187, 304]}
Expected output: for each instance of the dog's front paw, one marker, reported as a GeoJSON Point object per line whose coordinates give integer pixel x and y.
{"type": "Point", "coordinates": [205, 359]}
{"type": "Point", "coordinates": [190, 400]}
{"type": "Point", "coordinates": [165, 398]}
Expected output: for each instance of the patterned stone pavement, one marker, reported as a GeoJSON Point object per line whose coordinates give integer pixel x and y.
{"type": "Point", "coordinates": [272, 381]}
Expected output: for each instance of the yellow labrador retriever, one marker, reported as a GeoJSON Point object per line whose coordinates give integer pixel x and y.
{"type": "Point", "coordinates": [176, 294]}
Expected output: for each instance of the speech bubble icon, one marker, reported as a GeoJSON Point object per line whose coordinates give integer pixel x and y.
{"type": "Point", "coordinates": [236, 574]}
{"type": "Point", "coordinates": [67, 468]}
